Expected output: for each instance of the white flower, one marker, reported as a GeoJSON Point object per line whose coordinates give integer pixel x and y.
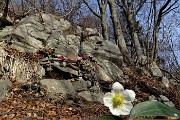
{"type": "Point", "coordinates": [119, 100]}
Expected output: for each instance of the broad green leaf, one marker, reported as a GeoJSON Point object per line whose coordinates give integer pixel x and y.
{"type": "Point", "coordinates": [153, 108]}
{"type": "Point", "coordinates": [109, 117]}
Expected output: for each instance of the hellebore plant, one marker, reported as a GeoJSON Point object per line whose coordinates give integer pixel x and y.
{"type": "Point", "coordinates": [119, 100]}
{"type": "Point", "coordinates": [119, 103]}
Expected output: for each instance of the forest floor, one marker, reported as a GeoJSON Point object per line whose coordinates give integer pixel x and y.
{"type": "Point", "coordinates": [27, 103]}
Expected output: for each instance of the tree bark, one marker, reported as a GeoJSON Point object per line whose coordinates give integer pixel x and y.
{"type": "Point", "coordinates": [104, 20]}
{"type": "Point", "coordinates": [102, 16]}
{"type": "Point", "coordinates": [3, 18]}
{"type": "Point", "coordinates": [117, 29]}
{"type": "Point", "coordinates": [134, 34]}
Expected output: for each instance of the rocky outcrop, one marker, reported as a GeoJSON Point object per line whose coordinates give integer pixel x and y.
{"type": "Point", "coordinates": [67, 50]}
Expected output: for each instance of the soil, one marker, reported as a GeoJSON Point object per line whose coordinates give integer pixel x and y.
{"type": "Point", "coordinates": [31, 101]}
{"type": "Point", "coordinates": [27, 101]}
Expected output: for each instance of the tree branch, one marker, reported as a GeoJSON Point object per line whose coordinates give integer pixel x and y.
{"type": "Point", "coordinates": [6, 9]}
{"type": "Point", "coordinates": [38, 10]}
{"type": "Point", "coordinates": [169, 8]}
{"type": "Point", "coordinates": [96, 14]}
{"type": "Point", "coordinates": [140, 6]}
{"type": "Point", "coordinates": [161, 12]}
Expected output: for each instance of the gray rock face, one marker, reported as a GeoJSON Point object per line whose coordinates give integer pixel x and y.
{"type": "Point", "coordinates": [108, 58]}
{"type": "Point", "coordinates": [164, 98]}
{"type": "Point", "coordinates": [165, 82]}
{"type": "Point", "coordinates": [63, 87]}
{"type": "Point", "coordinates": [30, 35]}
{"type": "Point", "coordinates": [171, 104]}
{"type": "Point", "coordinates": [80, 85]}
{"type": "Point", "coordinates": [5, 83]}
{"type": "Point", "coordinates": [152, 98]}
{"type": "Point", "coordinates": [91, 96]}
{"type": "Point", "coordinates": [155, 70]}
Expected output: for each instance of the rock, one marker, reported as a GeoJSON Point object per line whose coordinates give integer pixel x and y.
{"type": "Point", "coordinates": [63, 87]}
{"type": "Point", "coordinates": [90, 96]}
{"type": "Point", "coordinates": [102, 74]}
{"type": "Point", "coordinates": [171, 104]}
{"type": "Point", "coordinates": [108, 58]}
{"type": "Point", "coordinates": [164, 98]}
{"type": "Point", "coordinates": [90, 31]}
{"type": "Point", "coordinates": [6, 31]}
{"type": "Point", "coordinates": [5, 84]}
{"type": "Point", "coordinates": [152, 98]}
{"type": "Point", "coordinates": [155, 70]}
{"type": "Point", "coordinates": [113, 70]}
{"type": "Point", "coordinates": [80, 85]}
{"type": "Point", "coordinates": [64, 44]}
{"type": "Point", "coordinates": [26, 38]}
{"type": "Point", "coordinates": [40, 71]}
{"type": "Point", "coordinates": [30, 35]}
{"type": "Point", "coordinates": [165, 82]}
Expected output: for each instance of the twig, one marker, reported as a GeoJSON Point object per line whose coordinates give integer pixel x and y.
{"type": "Point", "coordinates": [39, 11]}
{"type": "Point", "coordinates": [175, 77]}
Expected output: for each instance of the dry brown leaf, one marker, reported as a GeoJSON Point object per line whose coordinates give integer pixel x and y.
{"type": "Point", "coordinates": [29, 114]}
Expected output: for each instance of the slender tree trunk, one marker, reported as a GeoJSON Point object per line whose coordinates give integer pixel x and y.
{"type": "Point", "coordinates": [102, 16]}
{"type": "Point", "coordinates": [134, 34]}
{"type": "Point", "coordinates": [22, 5]}
{"type": "Point", "coordinates": [104, 28]}
{"type": "Point", "coordinates": [155, 35]}
{"type": "Point", "coordinates": [117, 29]}
{"type": "Point", "coordinates": [104, 21]}
{"type": "Point", "coordinates": [6, 9]}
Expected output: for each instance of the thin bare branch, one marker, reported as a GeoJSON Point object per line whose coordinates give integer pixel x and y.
{"type": "Point", "coordinates": [161, 12]}
{"type": "Point", "coordinates": [96, 14]}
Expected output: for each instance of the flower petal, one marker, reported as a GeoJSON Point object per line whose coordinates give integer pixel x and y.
{"type": "Point", "coordinates": [123, 110]}
{"type": "Point", "coordinates": [117, 87]}
{"type": "Point", "coordinates": [107, 99]}
{"type": "Point", "coordinates": [128, 95]}
{"type": "Point", "coordinates": [115, 111]}
{"type": "Point", "coordinates": [126, 108]}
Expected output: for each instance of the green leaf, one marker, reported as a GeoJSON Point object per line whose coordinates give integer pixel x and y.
{"type": "Point", "coordinates": [153, 108]}
{"type": "Point", "coordinates": [109, 117]}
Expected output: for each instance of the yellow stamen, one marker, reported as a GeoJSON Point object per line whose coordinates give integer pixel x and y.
{"type": "Point", "coordinates": [117, 100]}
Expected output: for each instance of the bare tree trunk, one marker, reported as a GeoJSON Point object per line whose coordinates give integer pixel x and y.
{"type": "Point", "coordinates": [130, 11]}
{"type": "Point", "coordinates": [103, 19]}
{"type": "Point", "coordinates": [42, 2]}
{"type": "Point", "coordinates": [102, 6]}
{"type": "Point", "coordinates": [117, 29]}
{"type": "Point", "coordinates": [3, 18]}
{"type": "Point", "coordinates": [157, 20]}
{"type": "Point", "coordinates": [6, 9]}
{"type": "Point", "coordinates": [155, 42]}
{"type": "Point", "coordinates": [22, 5]}
{"type": "Point", "coordinates": [134, 34]}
